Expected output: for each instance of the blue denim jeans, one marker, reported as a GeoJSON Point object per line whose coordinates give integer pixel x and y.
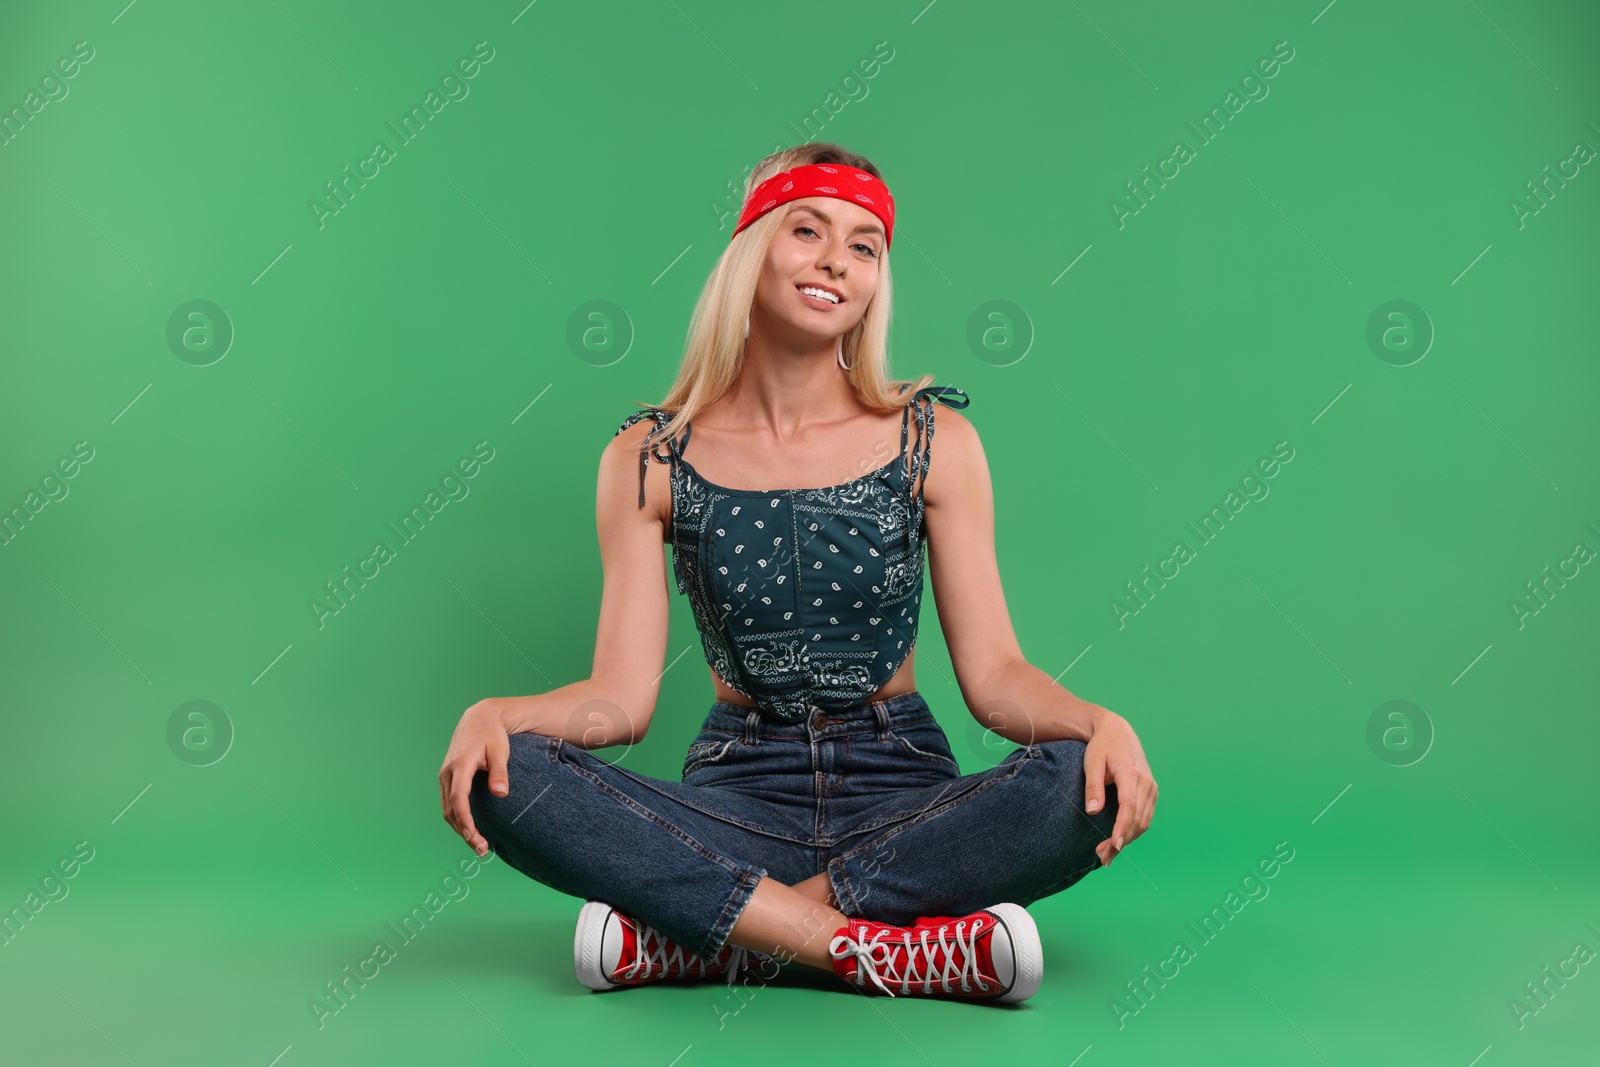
{"type": "Point", "coordinates": [870, 794]}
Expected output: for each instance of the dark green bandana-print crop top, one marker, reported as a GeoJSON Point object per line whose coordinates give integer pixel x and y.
{"type": "Point", "coordinates": [803, 597]}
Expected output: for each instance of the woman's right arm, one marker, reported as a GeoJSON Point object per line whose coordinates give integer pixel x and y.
{"type": "Point", "coordinates": [615, 704]}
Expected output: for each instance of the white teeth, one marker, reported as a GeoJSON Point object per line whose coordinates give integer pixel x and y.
{"type": "Point", "coordinates": [820, 294]}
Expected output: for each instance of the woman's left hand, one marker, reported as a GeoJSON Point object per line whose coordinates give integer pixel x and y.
{"type": "Point", "coordinates": [1114, 755]}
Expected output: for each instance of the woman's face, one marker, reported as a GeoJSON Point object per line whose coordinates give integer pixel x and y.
{"type": "Point", "coordinates": [824, 242]}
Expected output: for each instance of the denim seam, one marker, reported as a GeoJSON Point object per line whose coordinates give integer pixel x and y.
{"type": "Point", "coordinates": [833, 732]}
{"type": "Point", "coordinates": [933, 757]}
{"type": "Point", "coordinates": [719, 816]}
{"type": "Point", "coordinates": [837, 730]}
{"type": "Point", "coordinates": [907, 822]}
{"type": "Point", "coordinates": [1068, 881]}
{"type": "Point", "coordinates": [643, 811]}
{"type": "Point", "coordinates": [1062, 884]}
{"type": "Point", "coordinates": [842, 890]}
{"type": "Point", "coordinates": [819, 785]}
{"type": "Point", "coordinates": [713, 752]}
{"type": "Point", "coordinates": [825, 790]}
{"type": "Point", "coordinates": [899, 817]}
{"type": "Point", "coordinates": [723, 927]}
{"type": "Point", "coordinates": [821, 830]}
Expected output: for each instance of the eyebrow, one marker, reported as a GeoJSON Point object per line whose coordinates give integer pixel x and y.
{"type": "Point", "coordinates": [865, 227]}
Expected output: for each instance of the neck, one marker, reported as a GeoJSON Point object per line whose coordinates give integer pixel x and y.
{"type": "Point", "coordinates": [783, 386]}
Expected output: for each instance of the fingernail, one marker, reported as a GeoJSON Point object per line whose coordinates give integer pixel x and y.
{"type": "Point", "coordinates": [1094, 805]}
{"type": "Point", "coordinates": [1119, 842]}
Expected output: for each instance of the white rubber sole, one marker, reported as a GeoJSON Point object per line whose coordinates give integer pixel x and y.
{"type": "Point", "coordinates": [1027, 952]}
{"type": "Point", "coordinates": [586, 945]}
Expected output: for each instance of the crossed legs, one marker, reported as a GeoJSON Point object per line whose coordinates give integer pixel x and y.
{"type": "Point", "coordinates": [596, 831]}
{"type": "Point", "coordinates": [1037, 793]}
{"type": "Point", "coordinates": [791, 922]}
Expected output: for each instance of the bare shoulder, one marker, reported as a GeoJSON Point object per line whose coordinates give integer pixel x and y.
{"type": "Point", "coordinates": [617, 489]}
{"type": "Point", "coordinates": [630, 438]}
{"type": "Point", "coordinates": [958, 469]}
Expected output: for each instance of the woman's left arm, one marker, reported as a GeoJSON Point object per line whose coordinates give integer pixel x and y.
{"type": "Point", "coordinates": [1004, 692]}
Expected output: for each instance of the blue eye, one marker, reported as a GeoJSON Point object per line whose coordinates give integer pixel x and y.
{"type": "Point", "coordinates": [869, 249]}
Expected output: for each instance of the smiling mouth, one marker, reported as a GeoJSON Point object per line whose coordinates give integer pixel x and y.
{"type": "Point", "coordinates": [816, 293]}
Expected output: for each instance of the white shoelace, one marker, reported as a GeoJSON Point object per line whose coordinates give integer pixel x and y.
{"type": "Point", "coordinates": [738, 958]}
{"type": "Point", "coordinates": [643, 958]}
{"type": "Point", "coordinates": [877, 953]}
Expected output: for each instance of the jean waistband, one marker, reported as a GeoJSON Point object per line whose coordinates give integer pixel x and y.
{"type": "Point", "coordinates": [869, 717]}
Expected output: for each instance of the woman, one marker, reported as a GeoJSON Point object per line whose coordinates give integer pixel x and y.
{"type": "Point", "coordinates": [821, 817]}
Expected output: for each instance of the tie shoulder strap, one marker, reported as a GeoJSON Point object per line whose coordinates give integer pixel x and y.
{"type": "Point", "coordinates": [945, 394]}
{"type": "Point", "coordinates": [922, 456]}
{"type": "Point", "coordinates": [949, 395]}
{"type": "Point", "coordinates": [675, 446]}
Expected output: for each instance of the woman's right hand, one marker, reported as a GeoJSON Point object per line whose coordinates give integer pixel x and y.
{"type": "Point", "coordinates": [481, 742]}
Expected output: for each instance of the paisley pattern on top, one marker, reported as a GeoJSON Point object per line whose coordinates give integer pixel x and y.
{"type": "Point", "coordinates": [804, 598]}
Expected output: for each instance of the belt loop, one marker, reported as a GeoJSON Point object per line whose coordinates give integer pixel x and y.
{"type": "Point", "coordinates": [881, 709]}
{"type": "Point", "coordinates": [750, 722]}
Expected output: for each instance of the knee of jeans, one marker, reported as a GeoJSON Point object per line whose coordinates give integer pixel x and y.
{"type": "Point", "coordinates": [1065, 759]}
{"type": "Point", "coordinates": [526, 763]}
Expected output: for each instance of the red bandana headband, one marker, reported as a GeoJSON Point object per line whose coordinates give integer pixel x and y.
{"type": "Point", "coordinates": [821, 179]}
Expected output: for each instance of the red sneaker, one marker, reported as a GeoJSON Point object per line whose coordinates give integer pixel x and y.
{"type": "Point", "coordinates": [993, 954]}
{"type": "Point", "coordinates": [611, 948]}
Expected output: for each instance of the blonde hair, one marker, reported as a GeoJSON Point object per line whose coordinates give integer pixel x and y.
{"type": "Point", "coordinates": [714, 350]}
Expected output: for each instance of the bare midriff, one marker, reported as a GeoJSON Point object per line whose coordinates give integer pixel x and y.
{"type": "Point", "coordinates": [904, 681]}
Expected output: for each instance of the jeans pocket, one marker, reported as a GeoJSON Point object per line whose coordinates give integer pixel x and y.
{"type": "Point", "coordinates": [704, 753]}
{"type": "Point", "coordinates": [925, 741]}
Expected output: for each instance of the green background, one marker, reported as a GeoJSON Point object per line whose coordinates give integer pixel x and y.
{"type": "Point", "coordinates": [1118, 400]}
